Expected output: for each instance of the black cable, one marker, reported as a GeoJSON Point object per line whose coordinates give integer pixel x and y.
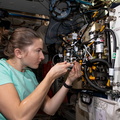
{"type": "Point", "coordinates": [108, 44]}
{"type": "Point", "coordinates": [114, 44]}
{"type": "Point", "coordinates": [90, 63]}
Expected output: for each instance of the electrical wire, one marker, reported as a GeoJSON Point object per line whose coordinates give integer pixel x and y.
{"type": "Point", "coordinates": [91, 62]}
{"type": "Point", "coordinates": [114, 44]}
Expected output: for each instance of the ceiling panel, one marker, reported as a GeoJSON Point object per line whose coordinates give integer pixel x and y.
{"type": "Point", "coordinates": [30, 6]}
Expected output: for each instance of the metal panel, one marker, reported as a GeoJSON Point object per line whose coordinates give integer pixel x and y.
{"type": "Point", "coordinates": [30, 6]}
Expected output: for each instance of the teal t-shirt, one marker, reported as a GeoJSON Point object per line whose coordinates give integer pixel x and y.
{"type": "Point", "coordinates": [24, 82]}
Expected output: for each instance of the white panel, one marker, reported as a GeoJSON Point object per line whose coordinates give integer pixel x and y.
{"type": "Point", "coordinates": [99, 109]}
{"type": "Point", "coordinates": [115, 26]}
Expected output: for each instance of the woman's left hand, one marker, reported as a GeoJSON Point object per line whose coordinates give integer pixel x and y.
{"type": "Point", "coordinates": [75, 73]}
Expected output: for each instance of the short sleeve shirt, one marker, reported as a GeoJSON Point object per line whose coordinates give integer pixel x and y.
{"type": "Point", "coordinates": [24, 82]}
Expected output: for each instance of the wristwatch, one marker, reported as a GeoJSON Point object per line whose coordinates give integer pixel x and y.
{"type": "Point", "coordinates": [67, 86]}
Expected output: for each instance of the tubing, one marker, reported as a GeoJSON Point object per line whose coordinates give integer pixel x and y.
{"type": "Point", "coordinates": [114, 45]}
{"type": "Point", "coordinates": [26, 16]}
{"type": "Point", "coordinates": [86, 75]}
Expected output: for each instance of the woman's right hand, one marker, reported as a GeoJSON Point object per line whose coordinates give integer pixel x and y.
{"type": "Point", "coordinates": [59, 69]}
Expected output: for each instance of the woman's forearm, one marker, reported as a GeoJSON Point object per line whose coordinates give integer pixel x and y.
{"type": "Point", "coordinates": [36, 99]}
{"type": "Point", "coordinates": [54, 103]}
{"type": "Point", "coordinates": [30, 105]}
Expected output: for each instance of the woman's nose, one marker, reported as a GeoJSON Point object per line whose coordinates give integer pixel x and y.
{"type": "Point", "coordinates": [42, 56]}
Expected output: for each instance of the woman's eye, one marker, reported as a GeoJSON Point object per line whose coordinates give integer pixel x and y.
{"type": "Point", "coordinates": [38, 50]}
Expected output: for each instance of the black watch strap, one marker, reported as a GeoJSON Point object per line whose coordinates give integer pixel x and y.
{"type": "Point", "coordinates": [67, 86]}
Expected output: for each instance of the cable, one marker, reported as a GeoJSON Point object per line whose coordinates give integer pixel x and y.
{"type": "Point", "coordinates": [114, 45]}
{"type": "Point", "coordinates": [94, 62]}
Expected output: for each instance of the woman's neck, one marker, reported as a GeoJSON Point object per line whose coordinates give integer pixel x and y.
{"type": "Point", "coordinates": [16, 64]}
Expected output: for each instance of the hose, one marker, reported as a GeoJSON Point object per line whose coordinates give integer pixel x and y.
{"type": "Point", "coordinates": [89, 64]}
{"type": "Point", "coordinates": [114, 45]}
{"type": "Point", "coordinates": [110, 63]}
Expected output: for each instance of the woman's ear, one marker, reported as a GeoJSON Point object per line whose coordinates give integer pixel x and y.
{"type": "Point", "coordinates": [18, 53]}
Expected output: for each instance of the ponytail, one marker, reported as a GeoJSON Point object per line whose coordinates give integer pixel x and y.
{"type": "Point", "coordinates": [3, 44]}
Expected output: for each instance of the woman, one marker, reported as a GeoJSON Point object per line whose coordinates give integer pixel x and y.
{"type": "Point", "coordinates": [20, 94]}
